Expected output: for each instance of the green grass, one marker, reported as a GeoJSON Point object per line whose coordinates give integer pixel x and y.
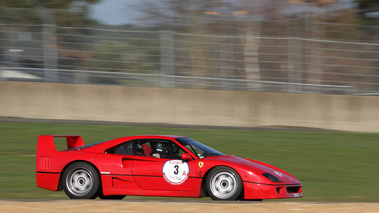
{"type": "Point", "coordinates": [332, 166]}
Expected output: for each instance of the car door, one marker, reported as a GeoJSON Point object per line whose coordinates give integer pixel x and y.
{"type": "Point", "coordinates": [112, 160]}
{"type": "Point", "coordinates": [168, 172]}
{"type": "Point", "coordinates": [115, 167]}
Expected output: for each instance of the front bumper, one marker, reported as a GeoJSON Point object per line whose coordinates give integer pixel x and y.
{"type": "Point", "coordinates": [266, 191]}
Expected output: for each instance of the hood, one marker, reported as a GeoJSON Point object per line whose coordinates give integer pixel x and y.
{"type": "Point", "coordinates": [252, 171]}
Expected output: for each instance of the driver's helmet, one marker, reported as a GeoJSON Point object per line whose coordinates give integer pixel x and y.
{"type": "Point", "coordinates": [161, 148]}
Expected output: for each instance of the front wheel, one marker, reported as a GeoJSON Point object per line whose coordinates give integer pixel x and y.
{"type": "Point", "coordinates": [224, 183]}
{"type": "Point", "coordinates": [81, 181]}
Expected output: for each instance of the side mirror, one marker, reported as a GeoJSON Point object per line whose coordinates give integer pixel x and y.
{"type": "Point", "coordinates": [186, 157]}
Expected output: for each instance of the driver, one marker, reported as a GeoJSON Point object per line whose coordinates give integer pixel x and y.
{"type": "Point", "coordinates": [160, 150]}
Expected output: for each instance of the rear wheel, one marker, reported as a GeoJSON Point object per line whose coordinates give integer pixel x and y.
{"type": "Point", "coordinates": [224, 183]}
{"type": "Point", "coordinates": [81, 181]}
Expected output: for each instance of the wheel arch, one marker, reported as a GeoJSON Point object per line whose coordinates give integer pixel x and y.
{"type": "Point", "coordinates": [204, 180]}
{"type": "Point", "coordinates": [60, 185]}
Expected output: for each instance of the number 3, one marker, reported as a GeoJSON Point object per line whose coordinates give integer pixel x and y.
{"type": "Point", "coordinates": [176, 169]}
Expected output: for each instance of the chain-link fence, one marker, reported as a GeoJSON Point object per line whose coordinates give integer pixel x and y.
{"type": "Point", "coordinates": [289, 54]}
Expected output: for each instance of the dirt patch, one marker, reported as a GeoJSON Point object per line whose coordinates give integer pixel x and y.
{"type": "Point", "coordinates": [190, 207]}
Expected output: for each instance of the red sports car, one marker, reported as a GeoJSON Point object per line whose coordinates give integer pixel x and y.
{"type": "Point", "coordinates": [156, 165]}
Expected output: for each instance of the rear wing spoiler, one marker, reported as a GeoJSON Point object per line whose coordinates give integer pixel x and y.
{"type": "Point", "coordinates": [46, 144]}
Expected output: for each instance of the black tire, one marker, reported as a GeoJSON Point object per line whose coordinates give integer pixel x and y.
{"type": "Point", "coordinates": [81, 181]}
{"type": "Point", "coordinates": [224, 183]}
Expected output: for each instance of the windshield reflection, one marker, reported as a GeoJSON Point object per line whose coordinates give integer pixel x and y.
{"type": "Point", "coordinates": [198, 148]}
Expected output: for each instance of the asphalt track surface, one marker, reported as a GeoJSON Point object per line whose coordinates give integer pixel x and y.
{"type": "Point", "coordinates": [175, 206]}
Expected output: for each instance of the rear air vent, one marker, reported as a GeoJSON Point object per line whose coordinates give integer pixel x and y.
{"type": "Point", "coordinates": [45, 162]}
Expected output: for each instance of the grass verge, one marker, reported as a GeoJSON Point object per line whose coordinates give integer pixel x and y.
{"type": "Point", "coordinates": [332, 166]}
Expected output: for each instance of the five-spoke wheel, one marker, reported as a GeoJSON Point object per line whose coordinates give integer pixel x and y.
{"type": "Point", "coordinates": [224, 183]}
{"type": "Point", "coordinates": [81, 181]}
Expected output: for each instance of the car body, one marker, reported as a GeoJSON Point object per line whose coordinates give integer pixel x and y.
{"type": "Point", "coordinates": [156, 165]}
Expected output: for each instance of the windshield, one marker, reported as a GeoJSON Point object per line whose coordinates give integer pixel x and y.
{"type": "Point", "coordinates": [198, 148]}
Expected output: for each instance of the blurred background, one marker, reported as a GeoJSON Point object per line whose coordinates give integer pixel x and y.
{"type": "Point", "coordinates": [90, 67]}
{"type": "Point", "coordinates": [294, 46]}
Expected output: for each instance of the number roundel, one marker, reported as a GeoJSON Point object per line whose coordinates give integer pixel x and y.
{"type": "Point", "coordinates": [175, 172]}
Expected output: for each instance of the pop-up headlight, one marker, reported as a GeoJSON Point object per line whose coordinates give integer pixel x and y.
{"type": "Point", "coordinates": [272, 177]}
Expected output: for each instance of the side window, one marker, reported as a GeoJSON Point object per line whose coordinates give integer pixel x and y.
{"type": "Point", "coordinates": [143, 148]}
{"type": "Point", "coordinates": [162, 149]}
{"type": "Point", "coordinates": [149, 148]}
{"type": "Point", "coordinates": [122, 149]}
{"type": "Point", "coordinates": [177, 151]}
{"type": "Point", "coordinates": [166, 149]}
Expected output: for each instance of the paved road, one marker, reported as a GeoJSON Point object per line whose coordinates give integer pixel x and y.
{"type": "Point", "coordinates": [176, 207]}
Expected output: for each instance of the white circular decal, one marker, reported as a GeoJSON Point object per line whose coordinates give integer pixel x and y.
{"type": "Point", "coordinates": [175, 171]}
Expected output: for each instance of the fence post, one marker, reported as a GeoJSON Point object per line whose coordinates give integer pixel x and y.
{"type": "Point", "coordinates": [225, 68]}
{"type": "Point", "coordinates": [1, 73]}
{"type": "Point", "coordinates": [295, 71]}
{"type": "Point", "coordinates": [49, 44]}
{"type": "Point", "coordinates": [167, 58]}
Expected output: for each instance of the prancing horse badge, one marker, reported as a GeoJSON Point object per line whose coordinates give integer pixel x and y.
{"type": "Point", "coordinates": [201, 164]}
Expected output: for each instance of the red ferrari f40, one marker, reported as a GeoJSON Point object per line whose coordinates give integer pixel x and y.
{"type": "Point", "coordinates": [156, 165]}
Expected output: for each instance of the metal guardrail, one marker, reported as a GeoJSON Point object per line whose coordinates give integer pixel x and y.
{"type": "Point", "coordinates": [226, 54]}
{"type": "Point", "coordinates": [158, 80]}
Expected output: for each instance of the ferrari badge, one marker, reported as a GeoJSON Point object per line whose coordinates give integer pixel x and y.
{"type": "Point", "coordinates": [201, 164]}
